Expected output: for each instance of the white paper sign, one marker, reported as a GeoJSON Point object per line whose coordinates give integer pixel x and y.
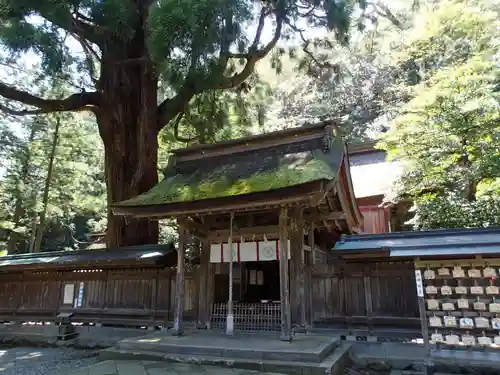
{"type": "Point", "coordinates": [420, 286]}
{"type": "Point", "coordinates": [69, 294]}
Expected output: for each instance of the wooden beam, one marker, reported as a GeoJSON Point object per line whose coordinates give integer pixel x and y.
{"type": "Point", "coordinates": [318, 216]}
{"type": "Point", "coordinates": [272, 230]}
{"type": "Point", "coordinates": [246, 207]}
{"type": "Point", "coordinates": [244, 232]}
{"type": "Point", "coordinates": [329, 202]}
{"type": "Point", "coordinates": [318, 197]}
{"type": "Point", "coordinates": [344, 203]}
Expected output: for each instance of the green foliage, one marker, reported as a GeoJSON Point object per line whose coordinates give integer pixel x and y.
{"type": "Point", "coordinates": [352, 91]}
{"type": "Point", "coordinates": [449, 133]}
{"type": "Point", "coordinates": [76, 191]}
{"type": "Point", "coordinates": [450, 34]}
{"type": "Point", "coordinates": [182, 36]}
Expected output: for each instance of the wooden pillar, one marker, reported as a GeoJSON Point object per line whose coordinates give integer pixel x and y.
{"type": "Point", "coordinates": [297, 269]}
{"type": "Point", "coordinates": [309, 323]}
{"type": "Point", "coordinates": [286, 323]}
{"type": "Point", "coordinates": [179, 283]}
{"type": "Point", "coordinates": [203, 285]}
{"type": "Point", "coordinates": [311, 244]}
{"type": "Point", "coordinates": [230, 316]}
{"type": "Point", "coordinates": [301, 282]}
{"type": "Point", "coordinates": [210, 292]}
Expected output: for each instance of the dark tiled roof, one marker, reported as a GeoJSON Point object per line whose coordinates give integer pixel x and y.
{"type": "Point", "coordinates": [252, 171]}
{"type": "Point", "coordinates": [149, 254]}
{"type": "Point", "coordinates": [446, 242]}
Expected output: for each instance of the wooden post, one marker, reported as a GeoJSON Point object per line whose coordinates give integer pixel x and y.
{"type": "Point", "coordinates": [297, 269]}
{"type": "Point", "coordinates": [210, 292]}
{"type": "Point", "coordinates": [301, 273]}
{"type": "Point", "coordinates": [311, 244]}
{"type": "Point", "coordinates": [179, 283]}
{"type": "Point", "coordinates": [286, 324]}
{"type": "Point", "coordinates": [230, 316]}
{"type": "Point", "coordinates": [203, 284]}
{"type": "Point", "coordinates": [310, 284]}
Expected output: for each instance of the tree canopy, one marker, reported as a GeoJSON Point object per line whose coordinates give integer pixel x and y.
{"type": "Point", "coordinates": [449, 133]}
{"type": "Point", "coordinates": [141, 64]}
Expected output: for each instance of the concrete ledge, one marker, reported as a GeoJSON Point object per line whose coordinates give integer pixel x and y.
{"type": "Point", "coordinates": [311, 349]}
{"type": "Point", "coordinates": [331, 365]}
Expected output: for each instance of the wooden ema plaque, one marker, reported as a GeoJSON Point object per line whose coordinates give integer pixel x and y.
{"type": "Point", "coordinates": [462, 302]}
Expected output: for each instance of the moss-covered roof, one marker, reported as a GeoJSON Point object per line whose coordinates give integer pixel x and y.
{"type": "Point", "coordinates": [245, 172]}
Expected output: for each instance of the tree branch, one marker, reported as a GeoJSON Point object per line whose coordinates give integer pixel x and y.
{"type": "Point", "coordinates": [171, 107]}
{"type": "Point", "coordinates": [176, 130]}
{"type": "Point", "coordinates": [254, 54]}
{"type": "Point", "coordinates": [74, 102]}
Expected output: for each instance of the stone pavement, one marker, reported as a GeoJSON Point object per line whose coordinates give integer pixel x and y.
{"type": "Point", "coordinates": [159, 368]}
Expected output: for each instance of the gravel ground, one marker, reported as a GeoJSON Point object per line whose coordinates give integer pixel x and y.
{"type": "Point", "coordinates": [44, 361]}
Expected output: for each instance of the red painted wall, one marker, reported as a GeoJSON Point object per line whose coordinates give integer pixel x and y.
{"type": "Point", "coordinates": [375, 218]}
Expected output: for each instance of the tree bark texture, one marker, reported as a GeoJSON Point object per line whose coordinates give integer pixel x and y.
{"type": "Point", "coordinates": [128, 126]}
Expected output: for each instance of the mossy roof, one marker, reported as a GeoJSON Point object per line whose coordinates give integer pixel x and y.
{"type": "Point", "coordinates": [244, 173]}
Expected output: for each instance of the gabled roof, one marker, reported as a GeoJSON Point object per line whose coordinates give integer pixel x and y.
{"type": "Point", "coordinates": [436, 243]}
{"type": "Point", "coordinates": [369, 164]}
{"type": "Point", "coordinates": [249, 169]}
{"type": "Point", "coordinates": [143, 255]}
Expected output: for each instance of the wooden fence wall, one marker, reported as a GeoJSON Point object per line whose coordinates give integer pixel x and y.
{"type": "Point", "coordinates": [130, 296]}
{"type": "Point", "coordinates": [342, 296]}
{"type": "Point", "coordinates": [365, 294]}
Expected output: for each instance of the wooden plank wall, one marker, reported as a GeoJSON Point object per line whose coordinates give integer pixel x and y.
{"type": "Point", "coordinates": [132, 296]}
{"type": "Point", "coordinates": [365, 294]}
{"type": "Point", "coordinates": [375, 219]}
{"type": "Point", "coordinates": [342, 295]}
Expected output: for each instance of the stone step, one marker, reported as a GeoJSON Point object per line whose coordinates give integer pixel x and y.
{"type": "Point", "coordinates": [227, 349]}
{"type": "Point", "coordinates": [332, 364]}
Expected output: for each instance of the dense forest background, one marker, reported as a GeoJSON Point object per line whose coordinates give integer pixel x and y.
{"type": "Point", "coordinates": [421, 77]}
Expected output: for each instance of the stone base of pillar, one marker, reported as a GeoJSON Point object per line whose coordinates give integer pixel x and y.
{"type": "Point", "coordinates": [287, 338]}
{"type": "Point", "coordinates": [201, 326]}
{"type": "Point", "coordinates": [176, 332]}
{"type": "Point", "coordinates": [300, 329]}
{"type": "Point", "coordinates": [230, 324]}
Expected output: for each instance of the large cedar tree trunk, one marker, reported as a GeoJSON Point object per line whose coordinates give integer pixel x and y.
{"type": "Point", "coordinates": [128, 126]}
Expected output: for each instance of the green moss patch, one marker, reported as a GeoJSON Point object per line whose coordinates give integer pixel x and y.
{"type": "Point", "coordinates": [257, 173]}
